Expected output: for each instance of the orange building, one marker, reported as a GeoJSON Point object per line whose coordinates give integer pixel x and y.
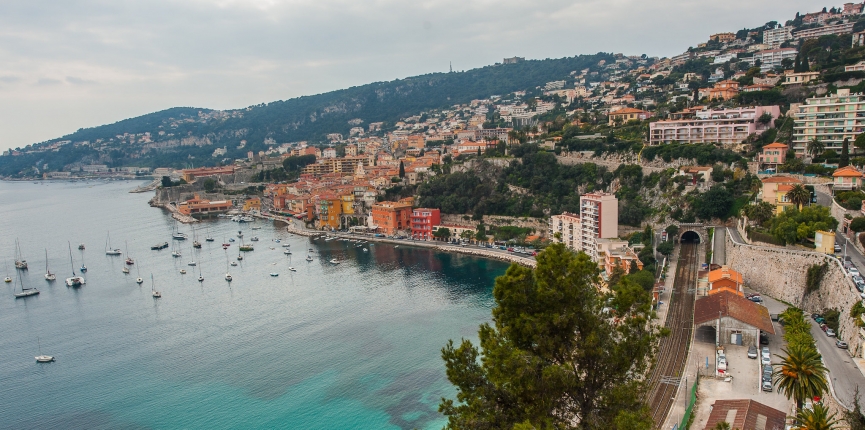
{"type": "Point", "coordinates": [329, 209]}
{"type": "Point", "coordinates": [390, 217]}
{"type": "Point", "coordinates": [726, 279]}
{"type": "Point", "coordinates": [189, 175]}
{"type": "Point", "coordinates": [199, 206]}
{"type": "Point", "coordinates": [415, 141]}
{"type": "Point", "coordinates": [724, 90]}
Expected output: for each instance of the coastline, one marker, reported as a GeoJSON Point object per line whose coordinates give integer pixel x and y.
{"type": "Point", "coordinates": [476, 252]}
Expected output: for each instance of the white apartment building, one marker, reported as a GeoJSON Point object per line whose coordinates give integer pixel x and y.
{"type": "Point", "coordinates": [830, 119]}
{"type": "Point", "coordinates": [813, 33]}
{"type": "Point", "coordinates": [776, 36]}
{"type": "Point", "coordinates": [568, 226]}
{"type": "Point", "coordinates": [726, 126]}
{"type": "Point", "coordinates": [598, 219]}
{"type": "Point", "coordinates": [771, 58]}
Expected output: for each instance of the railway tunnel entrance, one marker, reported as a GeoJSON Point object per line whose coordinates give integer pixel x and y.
{"type": "Point", "coordinates": [690, 236]}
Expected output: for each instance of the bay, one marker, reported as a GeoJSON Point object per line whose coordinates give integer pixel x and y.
{"type": "Point", "coordinates": [354, 345]}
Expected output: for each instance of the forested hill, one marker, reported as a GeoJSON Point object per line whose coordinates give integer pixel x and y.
{"type": "Point", "coordinates": [302, 118]}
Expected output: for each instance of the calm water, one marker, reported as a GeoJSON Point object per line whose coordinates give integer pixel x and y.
{"type": "Point", "coordinates": [355, 345]}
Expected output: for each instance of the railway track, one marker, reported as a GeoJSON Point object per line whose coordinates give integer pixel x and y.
{"type": "Point", "coordinates": [672, 353]}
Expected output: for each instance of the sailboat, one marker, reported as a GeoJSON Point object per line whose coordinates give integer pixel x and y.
{"type": "Point", "coordinates": [192, 262]}
{"type": "Point", "coordinates": [108, 249]}
{"type": "Point", "coordinates": [20, 263]}
{"type": "Point", "coordinates": [138, 280]}
{"type": "Point", "coordinates": [156, 294]}
{"type": "Point", "coordinates": [7, 279]}
{"type": "Point", "coordinates": [208, 238]}
{"type": "Point", "coordinates": [176, 234]}
{"type": "Point", "coordinates": [83, 268]}
{"type": "Point", "coordinates": [48, 275]}
{"type": "Point", "coordinates": [195, 242]}
{"type": "Point", "coordinates": [200, 276]}
{"type": "Point", "coordinates": [25, 292]}
{"type": "Point", "coordinates": [125, 270]}
{"type": "Point", "coordinates": [43, 358]}
{"type": "Point", "coordinates": [174, 251]}
{"type": "Point", "coordinates": [75, 280]}
{"type": "Point", "coordinates": [227, 274]}
{"type": "Point", "coordinates": [129, 260]}
{"type": "Point", "coordinates": [308, 257]}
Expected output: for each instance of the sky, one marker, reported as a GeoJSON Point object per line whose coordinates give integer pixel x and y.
{"type": "Point", "coordinates": [68, 64]}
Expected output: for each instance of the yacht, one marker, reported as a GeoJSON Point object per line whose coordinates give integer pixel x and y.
{"type": "Point", "coordinates": [81, 246]}
{"type": "Point", "coordinates": [286, 252]}
{"type": "Point", "coordinates": [50, 277]}
{"type": "Point", "coordinates": [254, 238]}
{"type": "Point", "coordinates": [200, 278]}
{"type": "Point", "coordinates": [274, 274]}
{"type": "Point", "coordinates": [156, 294]}
{"type": "Point", "coordinates": [108, 249]}
{"type": "Point", "coordinates": [292, 269]}
{"type": "Point", "coordinates": [125, 270]}
{"type": "Point", "coordinates": [25, 292]}
{"type": "Point", "coordinates": [286, 245]}
{"type": "Point", "coordinates": [228, 277]}
{"type": "Point", "coordinates": [208, 239]}
{"type": "Point", "coordinates": [308, 258]}
{"type": "Point", "coordinates": [75, 281]}
{"type": "Point", "coordinates": [234, 263]}
{"type": "Point", "coordinates": [43, 358]}
{"type": "Point", "coordinates": [334, 261]}
{"type": "Point", "coordinates": [20, 263]}
{"type": "Point", "coordinates": [162, 245]}
{"type": "Point", "coordinates": [182, 271]}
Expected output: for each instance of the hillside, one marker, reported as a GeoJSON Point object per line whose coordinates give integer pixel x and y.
{"type": "Point", "coordinates": [181, 136]}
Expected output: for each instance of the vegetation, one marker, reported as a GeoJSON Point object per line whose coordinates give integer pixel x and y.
{"type": "Point", "coordinates": [553, 357]}
{"type": "Point", "coordinates": [816, 418]}
{"type": "Point", "coordinates": [815, 276]}
{"type": "Point", "coordinates": [704, 153]}
{"type": "Point", "coordinates": [801, 374]}
{"type": "Point", "coordinates": [793, 226]}
{"type": "Point", "coordinates": [850, 199]}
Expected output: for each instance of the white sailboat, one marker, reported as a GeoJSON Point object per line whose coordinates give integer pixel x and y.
{"type": "Point", "coordinates": [7, 279]}
{"type": "Point", "coordinates": [75, 280]}
{"type": "Point", "coordinates": [25, 292]}
{"type": "Point", "coordinates": [83, 268]}
{"type": "Point", "coordinates": [43, 358]}
{"type": "Point", "coordinates": [20, 263]}
{"type": "Point", "coordinates": [138, 280]}
{"type": "Point", "coordinates": [156, 294]}
{"type": "Point", "coordinates": [48, 275]}
{"type": "Point", "coordinates": [308, 257]}
{"type": "Point", "coordinates": [192, 261]}
{"type": "Point", "coordinates": [227, 273]}
{"type": "Point", "coordinates": [176, 234]}
{"type": "Point", "coordinates": [174, 251]}
{"type": "Point", "coordinates": [200, 276]}
{"type": "Point", "coordinates": [129, 260]}
{"type": "Point", "coordinates": [108, 249]}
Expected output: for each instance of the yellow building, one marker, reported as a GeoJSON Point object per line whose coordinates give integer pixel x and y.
{"type": "Point", "coordinates": [252, 204]}
{"type": "Point", "coordinates": [775, 190]}
{"type": "Point", "coordinates": [347, 201]}
{"type": "Point", "coordinates": [328, 208]}
{"type": "Point", "coordinates": [824, 241]}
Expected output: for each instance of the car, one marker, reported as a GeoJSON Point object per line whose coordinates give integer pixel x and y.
{"type": "Point", "coordinates": [766, 360]}
{"type": "Point", "coordinates": [767, 387]}
{"type": "Point", "coordinates": [815, 316]}
{"type": "Point", "coordinates": [722, 363]}
{"type": "Point", "coordinates": [510, 250]}
{"type": "Point", "coordinates": [830, 332]}
{"type": "Point", "coordinates": [764, 339]}
{"type": "Point", "coordinates": [853, 270]}
{"type": "Point", "coordinates": [534, 253]}
{"type": "Point", "coordinates": [837, 248]}
{"type": "Point", "coordinates": [819, 320]}
{"type": "Point", "coordinates": [752, 352]}
{"type": "Point", "coordinates": [774, 317]}
{"type": "Point", "coordinates": [841, 344]}
{"type": "Point", "coordinates": [824, 327]}
{"type": "Point", "coordinates": [767, 374]}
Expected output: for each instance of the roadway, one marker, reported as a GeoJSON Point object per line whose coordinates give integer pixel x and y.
{"type": "Point", "coordinates": [844, 374]}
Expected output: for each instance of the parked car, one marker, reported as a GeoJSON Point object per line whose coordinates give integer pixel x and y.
{"type": "Point", "coordinates": [840, 344]}
{"type": "Point", "coordinates": [819, 320]}
{"type": "Point", "coordinates": [767, 374]}
{"type": "Point", "coordinates": [764, 338]}
{"type": "Point", "coordinates": [767, 387]}
{"type": "Point", "coordinates": [824, 327]}
{"type": "Point", "coordinates": [752, 352]}
{"type": "Point", "coordinates": [830, 332]}
{"type": "Point", "coordinates": [837, 248]}
{"type": "Point", "coordinates": [756, 299]}
{"type": "Point", "coordinates": [815, 316]}
{"type": "Point", "coordinates": [510, 250]}
{"type": "Point", "coordinates": [774, 317]}
{"type": "Point", "coordinates": [766, 360]}
{"type": "Point", "coordinates": [722, 363]}
{"type": "Point", "coordinates": [853, 270]}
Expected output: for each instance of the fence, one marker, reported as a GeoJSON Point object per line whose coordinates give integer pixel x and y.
{"type": "Point", "coordinates": [692, 399]}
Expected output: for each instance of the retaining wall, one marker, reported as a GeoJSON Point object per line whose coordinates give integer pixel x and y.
{"type": "Point", "coordinates": [781, 273]}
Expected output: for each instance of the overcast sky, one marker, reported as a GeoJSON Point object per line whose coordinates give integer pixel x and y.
{"type": "Point", "coordinates": [68, 64]}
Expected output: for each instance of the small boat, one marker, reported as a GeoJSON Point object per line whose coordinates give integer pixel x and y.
{"type": "Point", "coordinates": [50, 277]}
{"type": "Point", "coordinates": [7, 279]}
{"type": "Point", "coordinates": [365, 250]}
{"type": "Point", "coordinates": [83, 268]}
{"type": "Point", "coordinates": [191, 263]}
{"type": "Point", "coordinates": [228, 277]}
{"type": "Point", "coordinates": [139, 281]}
{"type": "Point", "coordinates": [277, 241]}
{"type": "Point", "coordinates": [176, 254]}
{"type": "Point", "coordinates": [234, 263]}
{"type": "Point", "coordinates": [129, 261]}
{"type": "Point", "coordinates": [153, 292]}
{"type": "Point", "coordinates": [311, 250]}
{"type": "Point", "coordinates": [20, 263]}
{"type": "Point", "coordinates": [239, 233]}
{"type": "Point", "coordinates": [246, 248]}
{"type": "Point", "coordinates": [43, 358]}
{"type": "Point", "coordinates": [231, 239]}
{"type": "Point", "coordinates": [256, 228]}
{"type": "Point", "coordinates": [286, 252]}
{"type": "Point", "coordinates": [75, 281]}
{"type": "Point", "coordinates": [239, 257]}
{"type": "Point", "coordinates": [396, 246]}
{"type": "Point", "coordinates": [292, 269]}
{"type": "Point", "coordinates": [162, 245]}
{"type": "Point", "coordinates": [200, 278]}
{"type": "Point", "coordinates": [125, 270]}
{"type": "Point", "coordinates": [81, 246]}
{"type": "Point", "coordinates": [274, 274]}
{"type": "Point", "coordinates": [247, 219]}
{"type": "Point", "coordinates": [182, 271]}
{"type": "Point", "coordinates": [208, 239]}
{"type": "Point", "coordinates": [108, 249]}
{"type": "Point", "coordinates": [25, 292]}
{"type": "Point", "coordinates": [286, 245]}
{"type": "Point", "coordinates": [308, 258]}
{"type": "Point", "coordinates": [196, 244]}
{"type": "Point", "coordinates": [334, 261]}
{"type": "Point", "coordinates": [254, 238]}
{"type": "Point", "coordinates": [178, 236]}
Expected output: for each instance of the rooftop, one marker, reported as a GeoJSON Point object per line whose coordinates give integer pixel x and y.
{"type": "Point", "coordinates": [733, 306]}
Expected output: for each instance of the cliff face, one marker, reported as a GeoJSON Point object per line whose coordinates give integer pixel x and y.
{"type": "Point", "coordinates": [781, 273]}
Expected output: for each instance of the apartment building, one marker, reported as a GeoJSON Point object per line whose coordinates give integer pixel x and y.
{"type": "Point", "coordinates": [813, 33]}
{"type": "Point", "coordinates": [772, 58]}
{"type": "Point", "coordinates": [774, 37]}
{"type": "Point", "coordinates": [599, 219]}
{"type": "Point", "coordinates": [392, 217]}
{"type": "Point", "coordinates": [567, 225]}
{"type": "Point", "coordinates": [726, 126]}
{"type": "Point", "coordinates": [422, 222]}
{"type": "Point", "coordinates": [831, 119]}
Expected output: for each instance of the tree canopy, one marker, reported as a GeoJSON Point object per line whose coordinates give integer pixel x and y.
{"type": "Point", "coordinates": [557, 355]}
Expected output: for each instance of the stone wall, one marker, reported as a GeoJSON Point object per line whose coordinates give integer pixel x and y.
{"type": "Point", "coordinates": [781, 273]}
{"type": "Point", "coordinates": [539, 224]}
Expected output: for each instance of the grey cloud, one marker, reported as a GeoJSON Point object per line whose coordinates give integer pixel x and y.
{"type": "Point", "coordinates": [9, 79]}
{"type": "Point", "coordinates": [228, 54]}
{"type": "Point", "coordinates": [48, 81]}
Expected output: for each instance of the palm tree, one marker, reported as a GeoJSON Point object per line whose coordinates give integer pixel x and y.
{"type": "Point", "coordinates": [801, 374]}
{"type": "Point", "coordinates": [817, 418]}
{"type": "Point", "coordinates": [799, 195]}
{"type": "Point", "coordinates": [815, 147]}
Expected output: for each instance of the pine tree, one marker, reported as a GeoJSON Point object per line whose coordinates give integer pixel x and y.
{"type": "Point", "coordinates": [805, 66]}
{"type": "Point", "coordinates": [797, 65]}
{"type": "Point", "coordinates": [845, 153]}
{"type": "Point", "coordinates": [401, 170]}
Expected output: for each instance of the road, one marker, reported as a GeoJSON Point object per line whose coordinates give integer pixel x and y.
{"type": "Point", "coordinates": [719, 253]}
{"type": "Point", "coordinates": [843, 372]}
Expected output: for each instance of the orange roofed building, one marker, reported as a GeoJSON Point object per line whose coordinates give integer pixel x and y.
{"type": "Point", "coordinates": [189, 175]}
{"type": "Point", "coordinates": [198, 206]}
{"type": "Point", "coordinates": [726, 279]}
{"type": "Point", "coordinates": [846, 178]}
{"type": "Point", "coordinates": [391, 217]}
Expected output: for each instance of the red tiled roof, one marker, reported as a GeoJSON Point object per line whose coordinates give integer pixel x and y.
{"type": "Point", "coordinates": [731, 305]}
{"type": "Point", "coordinates": [847, 172]}
{"type": "Point", "coordinates": [775, 145]}
{"type": "Point", "coordinates": [746, 414]}
{"type": "Point", "coordinates": [781, 179]}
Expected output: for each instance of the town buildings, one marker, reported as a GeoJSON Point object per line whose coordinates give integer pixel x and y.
{"type": "Point", "coordinates": [565, 228]}
{"type": "Point", "coordinates": [774, 37]}
{"type": "Point", "coordinates": [392, 217]}
{"type": "Point", "coordinates": [775, 190]}
{"type": "Point", "coordinates": [726, 126]}
{"type": "Point", "coordinates": [846, 178]}
{"type": "Point", "coordinates": [830, 119]}
{"type": "Point", "coordinates": [622, 116]}
{"type": "Point", "coordinates": [197, 206]}
{"type": "Point", "coordinates": [773, 155]}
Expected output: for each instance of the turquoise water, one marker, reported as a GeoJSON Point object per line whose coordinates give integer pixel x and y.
{"type": "Point", "coordinates": [354, 345]}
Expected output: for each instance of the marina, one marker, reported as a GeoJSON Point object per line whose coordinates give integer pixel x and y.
{"type": "Point", "coordinates": [221, 343]}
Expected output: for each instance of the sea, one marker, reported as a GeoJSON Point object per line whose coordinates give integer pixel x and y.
{"type": "Point", "coordinates": [355, 345]}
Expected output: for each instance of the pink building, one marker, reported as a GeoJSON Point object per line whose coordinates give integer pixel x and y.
{"type": "Point", "coordinates": [599, 219]}
{"type": "Point", "coordinates": [773, 155]}
{"type": "Point", "coordinates": [726, 126]}
{"type": "Point", "coordinates": [422, 222]}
